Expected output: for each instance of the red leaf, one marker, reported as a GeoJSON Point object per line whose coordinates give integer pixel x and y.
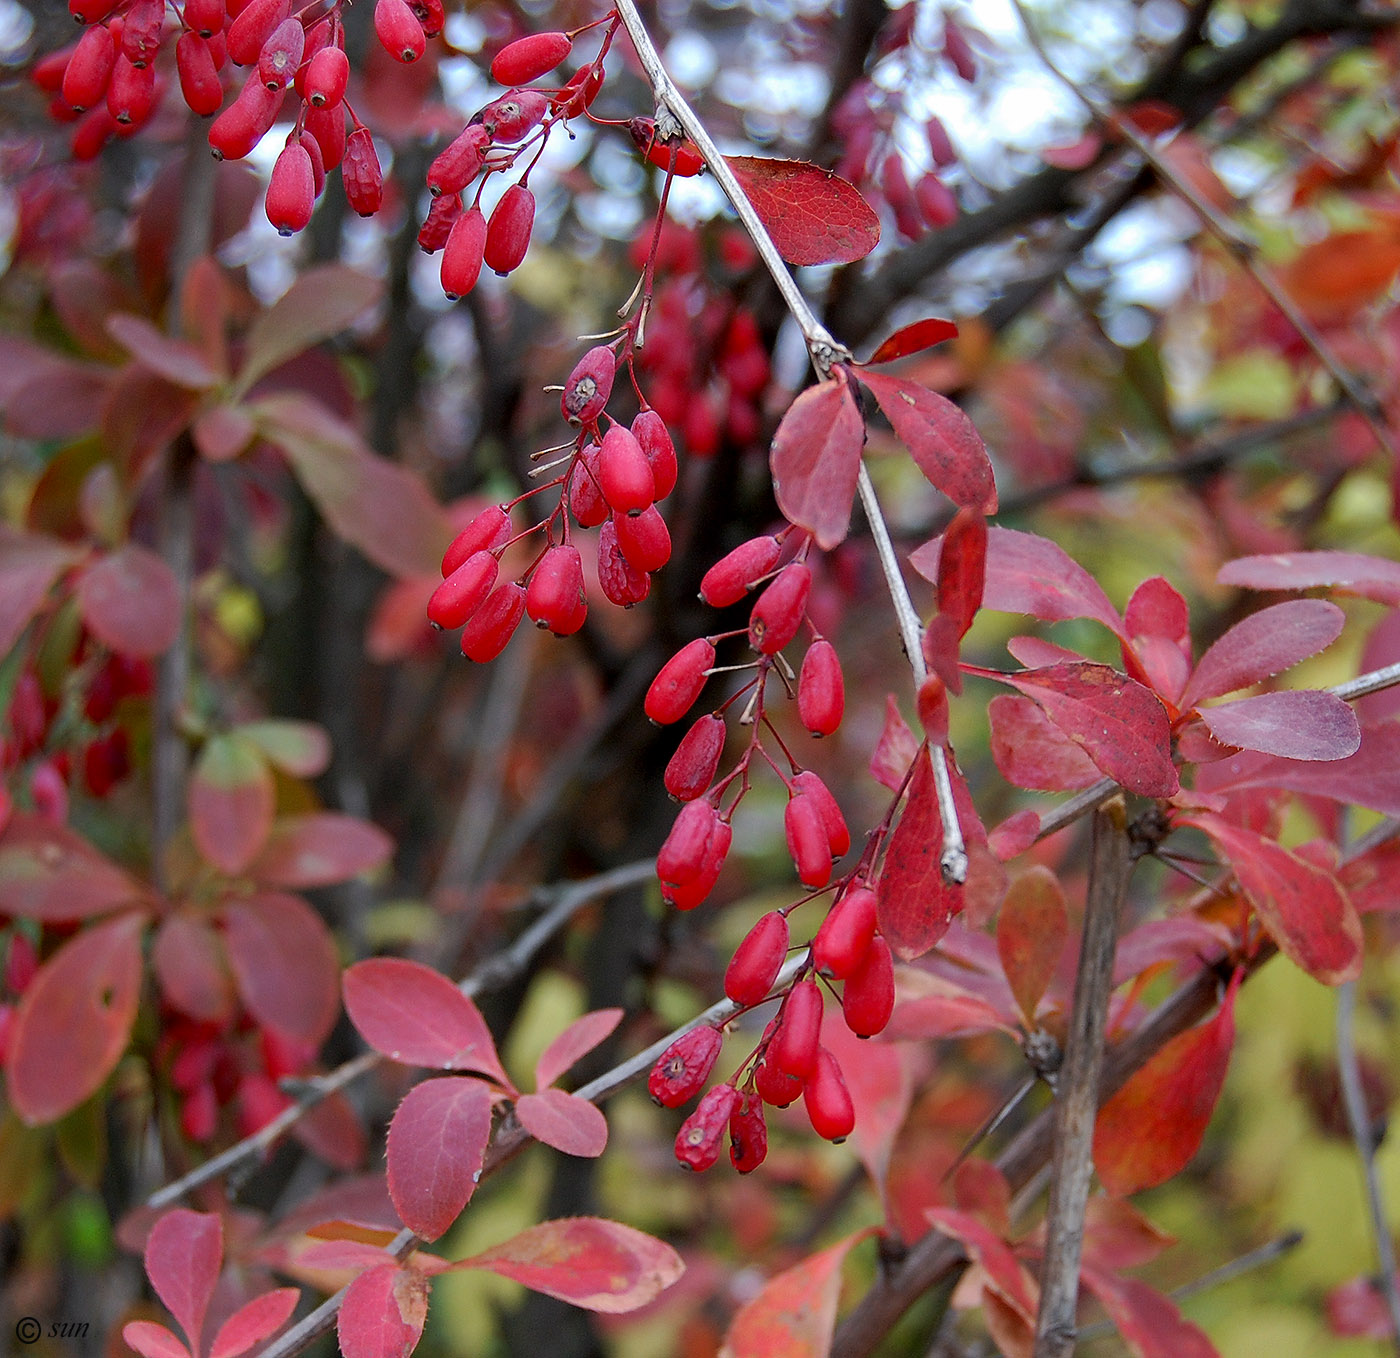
{"type": "Point", "coordinates": [231, 802]}
{"type": "Point", "coordinates": [1030, 574]}
{"type": "Point", "coordinates": [320, 849]}
{"type": "Point", "coordinates": [1305, 909]}
{"type": "Point", "coordinates": [72, 1024]}
{"type": "Point", "coordinates": [300, 748]}
{"type": "Point", "coordinates": [222, 432]}
{"type": "Point", "coordinates": [254, 1321]}
{"type": "Point", "coordinates": [1032, 752]}
{"type": "Point", "coordinates": [895, 750]}
{"type": "Point", "coordinates": [1301, 724]}
{"type": "Point", "coordinates": [1119, 724]}
{"type": "Point", "coordinates": [1358, 1309]}
{"type": "Point", "coordinates": [915, 905]}
{"type": "Point", "coordinates": [29, 565]}
{"type": "Point", "coordinates": [333, 1131]}
{"type": "Point", "coordinates": [437, 1141]}
{"type": "Point", "coordinates": [50, 873]}
{"type": "Point", "coordinates": [941, 439]}
{"type": "Point", "coordinates": [962, 568]}
{"type": "Point", "coordinates": [285, 963]}
{"type": "Point", "coordinates": [46, 396]}
{"type": "Point", "coordinates": [926, 1017]}
{"type": "Point", "coordinates": [1118, 1236]}
{"type": "Point", "coordinates": [152, 1340]}
{"type": "Point", "coordinates": [1157, 622]}
{"type": "Point", "coordinates": [590, 1262]}
{"type": "Point", "coordinates": [416, 1015]}
{"type": "Point", "coordinates": [574, 1043]}
{"type": "Point", "coordinates": [795, 1313]}
{"type": "Point", "coordinates": [1031, 934]}
{"type": "Point", "coordinates": [184, 1252]}
{"type": "Point", "coordinates": [1153, 1126]}
{"type": "Point", "coordinates": [1151, 1324]}
{"type": "Point", "coordinates": [813, 215]}
{"type": "Point", "coordinates": [1262, 645]}
{"type": "Point", "coordinates": [1005, 1275]}
{"type": "Point", "coordinates": [564, 1121]}
{"type": "Point", "coordinates": [130, 600]}
{"type": "Point", "coordinates": [383, 1313]}
{"type": "Point", "coordinates": [881, 1086]}
{"type": "Point", "coordinates": [176, 360]}
{"type": "Point", "coordinates": [1366, 577]}
{"type": "Point", "coordinates": [189, 961]}
{"type": "Point", "coordinates": [910, 339]}
{"type": "Point", "coordinates": [815, 460]}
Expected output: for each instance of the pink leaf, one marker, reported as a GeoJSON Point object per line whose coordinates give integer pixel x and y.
{"type": "Point", "coordinates": [29, 565]}
{"type": "Point", "coordinates": [813, 215]}
{"type": "Point", "coordinates": [320, 849]}
{"type": "Point", "coordinates": [333, 1131]}
{"type": "Point", "coordinates": [1262, 645]}
{"type": "Point", "coordinates": [285, 963]}
{"type": "Point", "coordinates": [564, 1121]}
{"type": "Point", "coordinates": [574, 1043]}
{"type": "Point", "coordinates": [231, 802]}
{"type": "Point", "coordinates": [51, 873]}
{"type": "Point", "coordinates": [130, 600]}
{"type": "Point", "coordinates": [926, 1017]}
{"type": "Point", "coordinates": [1366, 577]}
{"type": "Point", "coordinates": [176, 360]}
{"type": "Point", "coordinates": [416, 1015]}
{"type": "Point", "coordinates": [184, 1252]}
{"type": "Point", "coordinates": [895, 750]}
{"type": "Point", "coordinates": [254, 1321]}
{"type": "Point", "coordinates": [1031, 933]}
{"type": "Point", "coordinates": [1151, 1324]}
{"type": "Point", "coordinates": [1032, 752]}
{"type": "Point", "coordinates": [881, 1086]}
{"type": "Point", "coordinates": [1301, 724]}
{"type": "Point", "coordinates": [815, 460]}
{"type": "Point", "coordinates": [1005, 1274]}
{"type": "Point", "coordinates": [1015, 834]}
{"type": "Point", "coordinates": [152, 1340]}
{"type": "Point", "coordinates": [190, 963]}
{"type": "Point", "coordinates": [74, 1020]}
{"type": "Point", "coordinates": [941, 439]}
{"type": "Point", "coordinates": [590, 1262]}
{"type": "Point", "coordinates": [1157, 625]}
{"type": "Point", "coordinates": [910, 339]}
{"type": "Point", "coordinates": [437, 1141]}
{"type": "Point", "coordinates": [383, 1313]}
{"type": "Point", "coordinates": [300, 748]}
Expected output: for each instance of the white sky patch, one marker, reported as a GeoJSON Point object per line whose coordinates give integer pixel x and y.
{"type": "Point", "coordinates": [16, 28]}
{"type": "Point", "coordinates": [691, 60]}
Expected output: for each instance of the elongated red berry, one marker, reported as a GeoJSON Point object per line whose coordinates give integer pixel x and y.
{"type": "Point", "coordinates": [514, 116]}
{"type": "Point", "coordinates": [798, 1034]}
{"type": "Point", "coordinates": [844, 937]}
{"type": "Point", "coordinates": [556, 589]}
{"type": "Point", "coordinates": [692, 768]}
{"type": "Point", "coordinates": [91, 11]}
{"type": "Point", "coordinates": [579, 92]}
{"type": "Point", "coordinates": [644, 538]}
{"type": "Point", "coordinates": [587, 388]}
{"type": "Point", "coordinates": [489, 530]}
{"type": "Point", "coordinates": [757, 960]}
{"type": "Point", "coordinates": [649, 429]}
{"type": "Point", "coordinates": [89, 69]}
{"type": "Point", "coordinates": [776, 1086]}
{"type": "Point", "coordinates": [398, 30]}
{"type": "Point", "coordinates": [688, 894]}
{"type": "Point", "coordinates": [205, 17]}
{"type": "Point", "coordinates": [682, 855]}
{"type": "Point", "coordinates": [867, 1001]}
{"type": "Point", "coordinates": [679, 682]}
{"type": "Point", "coordinates": [585, 497]}
{"type": "Point", "coordinates": [253, 27]}
{"type": "Point", "coordinates": [361, 174]}
{"type": "Point", "coordinates": [437, 225]}
{"type": "Point", "coordinates": [464, 591]}
{"type": "Point", "coordinates": [281, 54]}
{"type": "Point", "coordinates": [624, 474]}
{"type": "Point", "coordinates": [958, 50]}
{"type": "Point", "coordinates": [291, 191]}
{"type": "Point", "coordinates": [699, 1139]}
{"type": "Point", "coordinates": [318, 168]}
{"type": "Point", "coordinates": [621, 582]}
{"type": "Point", "coordinates": [494, 623]}
{"type": "Point", "coordinates": [828, 1101]}
{"type": "Point", "coordinates": [748, 1134]}
{"type": "Point", "coordinates": [525, 60]}
{"type": "Point", "coordinates": [200, 86]}
{"type": "Point", "coordinates": [241, 126]}
{"type": "Point", "coordinates": [681, 1070]}
{"type": "Point", "coordinates": [327, 125]}
{"type": "Point", "coordinates": [807, 842]}
{"type": "Point", "coordinates": [318, 37]}
{"type": "Point", "coordinates": [686, 158]}
{"type": "Point", "coordinates": [462, 255]}
{"type": "Point", "coordinates": [821, 691]}
{"type": "Point", "coordinates": [779, 610]}
{"type": "Point", "coordinates": [508, 231]}
{"type": "Point", "coordinates": [327, 74]}
{"type": "Point", "coordinates": [838, 836]}
{"type": "Point", "coordinates": [141, 31]}
{"type": "Point", "coordinates": [131, 92]}
{"type": "Point", "coordinates": [460, 161]}
{"type": "Point", "coordinates": [95, 129]}
{"type": "Point", "coordinates": [430, 14]}
{"type": "Point", "coordinates": [732, 576]}
{"type": "Point", "coordinates": [47, 73]}
{"type": "Point", "coordinates": [938, 204]}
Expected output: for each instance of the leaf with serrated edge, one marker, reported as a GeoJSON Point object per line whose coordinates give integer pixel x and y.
{"type": "Point", "coordinates": [564, 1121]}
{"type": "Point", "coordinates": [254, 1321]}
{"type": "Point", "coordinates": [437, 1142]}
{"type": "Point", "coordinates": [1301, 724]}
{"type": "Point", "coordinates": [574, 1043]}
{"type": "Point", "coordinates": [1366, 577]}
{"type": "Point", "coordinates": [1262, 645]}
{"type": "Point", "coordinates": [383, 1313]}
{"type": "Point", "coordinates": [815, 461]}
{"type": "Point", "coordinates": [813, 215]}
{"type": "Point", "coordinates": [184, 1252]}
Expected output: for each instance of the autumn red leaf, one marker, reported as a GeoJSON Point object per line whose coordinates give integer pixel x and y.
{"type": "Point", "coordinates": [51, 873]}
{"type": "Point", "coordinates": [1262, 645]}
{"type": "Point", "coordinates": [437, 1142]}
{"type": "Point", "coordinates": [383, 1313]}
{"type": "Point", "coordinates": [1304, 724]}
{"type": "Point", "coordinates": [320, 848]}
{"type": "Point", "coordinates": [184, 1253]}
{"type": "Point", "coordinates": [253, 1322]}
{"type": "Point", "coordinates": [1032, 752]}
{"type": "Point", "coordinates": [815, 459]}
{"type": "Point", "coordinates": [153, 1340]}
{"type": "Point", "coordinates": [813, 215]}
{"type": "Point", "coordinates": [1157, 637]}
{"type": "Point", "coordinates": [564, 1121]}
{"type": "Point", "coordinates": [590, 1262]}
{"type": "Point", "coordinates": [1004, 1274]}
{"type": "Point", "coordinates": [416, 1015]}
{"type": "Point", "coordinates": [940, 438]}
{"type": "Point", "coordinates": [300, 748]}
{"type": "Point", "coordinates": [231, 802]}
{"type": "Point", "coordinates": [880, 1081]}
{"type": "Point", "coordinates": [1366, 577]}
{"type": "Point", "coordinates": [910, 339]}
{"type": "Point", "coordinates": [894, 752]}
{"type": "Point", "coordinates": [1117, 1236]}
{"type": "Point", "coordinates": [73, 1022]}
{"type": "Point", "coordinates": [176, 360]}
{"type": "Point", "coordinates": [190, 963]}
{"type": "Point", "coordinates": [1152, 1325]}
{"type": "Point", "coordinates": [1333, 277]}
{"type": "Point", "coordinates": [29, 565]}
{"type": "Point", "coordinates": [130, 600]}
{"type": "Point", "coordinates": [574, 1043]}
{"type": "Point", "coordinates": [962, 568]}
{"type": "Point", "coordinates": [1031, 932]}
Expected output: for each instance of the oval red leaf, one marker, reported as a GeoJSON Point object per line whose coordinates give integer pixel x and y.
{"type": "Point", "coordinates": [564, 1121]}
{"type": "Point", "coordinates": [176, 360]}
{"type": "Point", "coordinates": [437, 1141]}
{"type": "Point", "coordinates": [1295, 724]}
{"type": "Point", "coordinates": [152, 1340]}
{"type": "Point", "coordinates": [184, 1253]}
{"type": "Point", "coordinates": [130, 600]}
{"type": "Point", "coordinates": [813, 215]}
{"type": "Point", "coordinates": [29, 565]}
{"type": "Point", "coordinates": [231, 802]}
{"type": "Point", "coordinates": [574, 1043]}
{"type": "Point", "coordinates": [1263, 645]}
{"type": "Point", "coordinates": [254, 1321]}
{"type": "Point", "coordinates": [320, 849]}
{"type": "Point", "coordinates": [1367, 577]}
{"type": "Point", "coordinates": [815, 460]}
{"type": "Point", "coordinates": [910, 339]}
{"type": "Point", "coordinates": [50, 873]}
{"type": "Point", "coordinates": [1031, 933]}
{"type": "Point", "coordinates": [191, 966]}
{"type": "Point", "coordinates": [383, 1313]}
{"type": "Point", "coordinates": [1032, 752]}
{"type": "Point", "coordinates": [1151, 1324]}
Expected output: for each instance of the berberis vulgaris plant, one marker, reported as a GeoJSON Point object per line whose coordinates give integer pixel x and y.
{"type": "Point", "coordinates": [258, 809]}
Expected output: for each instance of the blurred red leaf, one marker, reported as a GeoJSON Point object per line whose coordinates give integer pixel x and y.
{"type": "Point", "coordinates": [437, 1141]}
{"type": "Point", "coordinates": [881, 1088]}
{"type": "Point", "coordinates": [1118, 1236]}
{"type": "Point", "coordinates": [1262, 645]}
{"type": "Point", "coordinates": [221, 432]}
{"type": "Point", "coordinates": [176, 360]}
{"type": "Point", "coordinates": [29, 565]}
{"type": "Point", "coordinates": [333, 1131]}
{"type": "Point", "coordinates": [1032, 752]}
{"type": "Point", "coordinates": [1366, 577]}
{"type": "Point", "coordinates": [44, 395]}
{"type": "Point", "coordinates": [51, 873]}
{"type": "Point", "coordinates": [184, 1253]}
{"type": "Point", "coordinates": [564, 1121]}
{"type": "Point", "coordinates": [73, 1022]}
{"type": "Point", "coordinates": [816, 459]}
{"type": "Point", "coordinates": [1075, 155]}
{"type": "Point", "coordinates": [1031, 933]}
{"type": "Point", "coordinates": [416, 1015]}
{"type": "Point", "coordinates": [383, 1313]}
{"type": "Point", "coordinates": [300, 748]}
{"type": "Point", "coordinates": [590, 1262]}
{"type": "Point", "coordinates": [320, 849]}
{"type": "Point", "coordinates": [130, 600]}
{"type": "Point", "coordinates": [813, 215]}
{"type": "Point", "coordinates": [926, 1017]}
{"type": "Point", "coordinates": [574, 1043]}
{"type": "Point", "coordinates": [910, 339]}
{"type": "Point", "coordinates": [1334, 277]}
{"type": "Point", "coordinates": [940, 437]}
{"type": "Point", "coordinates": [254, 1321]}
{"type": "Point", "coordinates": [231, 802]}
{"type": "Point", "coordinates": [1357, 1309]}
{"type": "Point", "coordinates": [1304, 724]}
{"type": "Point", "coordinates": [894, 752]}
{"type": "Point", "coordinates": [1004, 1273]}
{"type": "Point", "coordinates": [152, 1340]}
{"type": "Point", "coordinates": [191, 966]}
{"type": "Point", "coordinates": [1153, 1126]}
{"type": "Point", "coordinates": [1151, 1324]}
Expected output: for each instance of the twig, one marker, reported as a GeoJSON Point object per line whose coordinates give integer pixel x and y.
{"type": "Point", "coordinates": [1076, 1094]}
{"type": "Point", "coordinates": [1363, 1133]}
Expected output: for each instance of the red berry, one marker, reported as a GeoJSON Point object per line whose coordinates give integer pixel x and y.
{"type": "Point", "coordinates": [430, 14]}
{"type": "Point", "coordinates": [682, 1069]}
{"type": "Point", "coordinates": [556, 590]}
{"type": "Point", "coordinates": [698, 1141]}
{"type": "Point", "coordinates": [49, 792]}
{"type": "Point", "coordinates": [939, 144]}
{"type": "Point", "coordinates": [281, 54]}
{"type": "Point", "coordinates": [194, 1064]}
{"type": "Point", "coordinates": [525, 60]}
{"type": "Point", "coordinates": [732, 576]}
{"type": "Point", "coordinates": [844, 937]}
{"type": "Point", "coordinates": [748, 1134]}
{"type": "Point", "coordinates": [327, 125]}
{"type": "Point", "coordinates": [464, 591]}
{"type": "Point", "coordinates": [437, 226]}
{"type": "Point", "coordinates": [807, 841]}
{"type": "Point", "coordinates": [398, 30]}
{"type": "Point", "coordinates": [621, 582]}
{"type": "Point", "coordinates": [205, 17]}
{"type": "Point", "coordinates": [937, 203]}
{"type": "Point", "coordinates": [361, 174]}
{"type": "Point", "coordinates": [679, 682]}
{"type": "Point", "coordinates": [494, 623]}
{"type": "Point", "coordinates": [895, 186]}
{"type": "Point", "coordinates": [89, 69]}
{"type": "Point", "coordinates": [318, 166]}
{"type": "Point", "coordinates": [327, 74]}
{"type": "Point", "coordinates": [838, 837]}
{"type": "Point", "coordinates": [579, 93]}
{"type": "Point", "coordinates": [684, 854]}
{"type": "Point", "coordinates": [291, 191]}
{"type": "Point", "coordinates": [459, 162]}
{"type": "Point", "coordinates": [253, 27]}
{"type": "Point", "coordinates": [957, 49]}
{"type": "Point", "coordinates": [798, 1034]}
{"type": "Point", "coordinates": [259, 1101]}
{"type": "Point", "coordinates": [692, 768]}
{"type": "Point", "coordinates": [644, 538]}
{"type": "Point", "coordinates": [649, 429]}
{"type": "Point", "coordinates": [867, 1001]}
{"type": "Point", "coordinates": [319, 36]}
{"type": "Point", "coordinates": [588, 387]}
{"type": "Point", "coordinates": [821, 691]}
{"type": "Point", "coordinates": [141, 31]}
{"type": "Point", "coordinates": [91, 11]}
{"type": "Point", "coordinates": [461, 259]}
{"type": "Point", "coordinates": [94, 130]}
{"type": "Point", "coordinates": [200, 86]}
{"type": "Point", "coordinates": [514, 116]}
{"type": "Point", "coordinates": [241, 126]}
{"type": "Point", "coordinates": [757, 960]}
{"type": "Point", "coordinates": [508, 232]}
{"type": "Point", "coordinates": [199, 1113]}
{"type": "Point", "coordinates": [624, 474]}
{"type": "Point", "coordinates": [21, 964]}
{"type": "Point", "coordinates": [489, 530]}
{"type": "Point", "coordinates": [687, 159]}
{"type": "Point", "coordinates": [687, 895]}
{"type": "Point", "coordinates": [776, 1086]}
{"type": "Point", "coordinates": [131, 93]}
{"type": "Point", "coordinates": [106, 761]}
{"type": "Point", "coordinates": [828, 1101]}
{"type": "Point", "coordinates": [779, 610]}
{"type": "Point", "coordinates": [585, 498]}
{"type": "Point", "coordinates": [47, 73]}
